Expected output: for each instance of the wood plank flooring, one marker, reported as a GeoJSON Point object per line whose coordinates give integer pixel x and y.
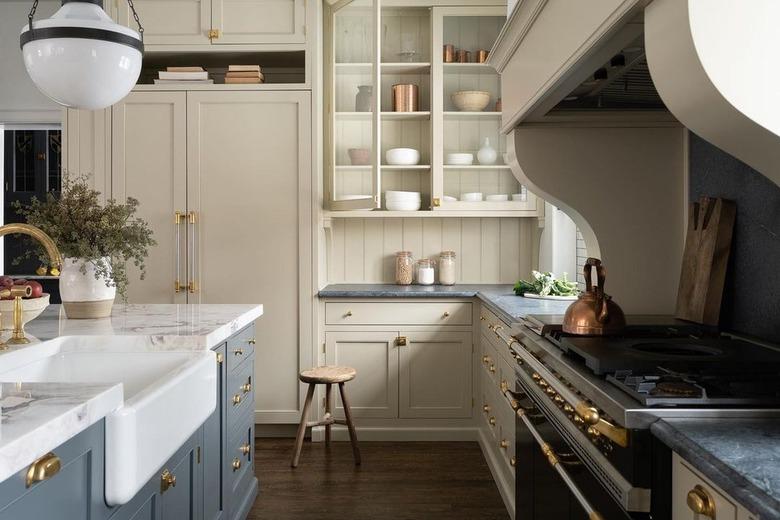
{"type": "Point", "coordinates": [397, 480]}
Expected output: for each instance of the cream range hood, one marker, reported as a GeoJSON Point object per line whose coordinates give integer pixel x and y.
{"type": "Point", "coordinates": [597, 96]}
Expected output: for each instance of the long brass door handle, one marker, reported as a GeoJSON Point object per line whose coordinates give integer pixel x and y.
{"type": "Point", "coordinates": [177, 218]}
{"type": "Point", "coordinates": [43, 469]}
{"type": "Point", "coordinates": [192, 219]}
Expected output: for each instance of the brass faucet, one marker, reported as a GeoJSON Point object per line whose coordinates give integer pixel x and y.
{"type": "Point", "coordinates": [55, 259]}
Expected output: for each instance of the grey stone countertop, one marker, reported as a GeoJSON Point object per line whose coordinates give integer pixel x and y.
{"type": "Point", "coordinates": [499, 298]}
{"type": "Point", "coordinates": [741, 456]}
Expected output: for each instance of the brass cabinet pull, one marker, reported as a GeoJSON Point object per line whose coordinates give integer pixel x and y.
{"type": "Point", "coordinates": [446, 314]}
{"type": "Point", "coordinates": [492, 421]}
{"type": "Point", "coordinates": [492, 369]}
{"type": "Point", "coordinates": [43, 469]}
{"type": "Point", "coordinates": [236, 464]}
{"type": "Point", "coordinates": [245, 448]}
{"type": "Point", "coordinates": [512, 461]}
{"type": "Point", "coordinates": [236, 399]}
{"type": "Point", "coordinates": [238, 352]}
{"type": "Point", "coordinates": [167, 481]}
{"type": "Point", "coordinates": [436, 202]}
{"type": "Point", "coordinates": [246, 387]}
{"type": "Point", "coordinates": [348, 314]}
{"type": "Point", "coordinates": [700, 502]}
{"type": "Point", "coordinates": [192, 220]}
{"type": "Point", "coordinates": [486, 359]}
{"type": "Point", "coordinates": [220, 358]}
{"type": "Point", "coordinates": [503, 444]}
{"type": "Point", "coordinates": [177, 218]}
{"type": "Point", "coordinates": [214, 34]}
{"type": "Point", "coordinates": [251, 341]}
{"type": "Point", "coordinates": [401, 341]}
{"type": "Point", "coordinates": [486, 408]}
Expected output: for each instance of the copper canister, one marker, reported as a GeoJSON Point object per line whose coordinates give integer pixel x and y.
{"type": "Point", "coordinates": [464, 56]}
{"type": "Point", "coordinates": [405, 97]}
{"type": "Point", "coordinates": [482, 56]}
{"type": "Point", "coordinates": [449, 53]}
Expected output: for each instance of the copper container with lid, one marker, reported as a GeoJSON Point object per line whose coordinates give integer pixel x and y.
{"type": "Point", "coordinates": [449, 53]}
{"type": "Point", "coordinates": [594, 313]}
{"type": "Point", "coordinates": [482, 55]}
{"type": "Point", "coordinates": [464, 56]}
{"type": "Point", "coordinates": [405, 97]}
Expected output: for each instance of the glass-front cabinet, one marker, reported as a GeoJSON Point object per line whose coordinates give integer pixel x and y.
{"type": "Point", "coordinates": [413, 107]}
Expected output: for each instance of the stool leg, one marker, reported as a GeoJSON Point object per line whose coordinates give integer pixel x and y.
{"type": "Point", "coordinates": [328, 411]}
{"type": "Point", "coordinates": [350, 425]}
{"type": "Point", "coordinates": [302, 426]}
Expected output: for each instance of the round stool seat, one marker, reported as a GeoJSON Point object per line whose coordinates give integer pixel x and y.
{"type": "Point", "coordinates": [328, 375]}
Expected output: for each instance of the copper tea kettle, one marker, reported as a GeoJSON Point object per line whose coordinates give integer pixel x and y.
{"type": "Point", "coordinates": [594, 313]}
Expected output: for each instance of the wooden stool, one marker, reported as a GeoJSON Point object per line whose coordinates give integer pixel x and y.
{"type": "Point", "coordinates": [326, 376]}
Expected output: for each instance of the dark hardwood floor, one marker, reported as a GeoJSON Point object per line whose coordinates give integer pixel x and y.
{"type": "Point", "coordinates": [397, 480]}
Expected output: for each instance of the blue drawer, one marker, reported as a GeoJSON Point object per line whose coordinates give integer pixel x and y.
{"type": "Point", "coordinates": [240, 392]}
{"type": "Point", "coordinates": [240, 347]}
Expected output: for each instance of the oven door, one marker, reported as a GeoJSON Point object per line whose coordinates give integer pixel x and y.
{"type": "Point", "coordinates": [551, 482]}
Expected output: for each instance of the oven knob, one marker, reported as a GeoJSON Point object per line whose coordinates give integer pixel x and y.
{"type": "Point", "coordinates": [514, 404]}
{"type": "Point", "coordinates": [550, 391]}
{"type": "Point", "coordinates": [542, 383]}
{"type": "Point", "coordinates": [492, 369]}
{"type": "Point", "coordinates": [578, 420]}
{"type": "Point", "coordinates": [568, 408]}
{"type": "Point", "coordinates": [535, 376]}
{"type": "Point", "coordinates": [559, 399]}
{"type": "Point", "coordinates": [593, 432]}
{"type": "Point", "coordinates": [486, 359]}
{"type": "Point", "coordinates": [486, 408]}
{"type": "Point", "coordinates": [492, 421]}
{"type": "Point", "coordinates": [503, 444]}
{"type": "Point", "coordinates": [513, 462]}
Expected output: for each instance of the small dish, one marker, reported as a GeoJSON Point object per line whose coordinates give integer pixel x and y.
{"type": "Point", "coordinates": [497, 198]}
{"type": "Point", "coordinates": [520, 197]}
{"type": "Point", "coordinates": [402, 156]}
{"type": "Point", "coordinates": [459, 159]}
{"type": "Point", "coordinates": [403, 205]}
{"type": "Point", "coordinates": [471, 197]}
{"type": "Point", "coordinates": [447, 198]}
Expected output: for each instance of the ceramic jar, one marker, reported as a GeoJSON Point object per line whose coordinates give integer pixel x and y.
{"type": "Point", "coordinates": [447, 268]}
{"type": "Point", "coordinates": [487, 154]}
{"type": "Point", "coordinates": [364, 98]}
{"type": "Point", "coordinates": [83, 295]}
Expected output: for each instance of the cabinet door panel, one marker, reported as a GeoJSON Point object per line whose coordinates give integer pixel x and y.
{"type": "Point", "coordinates": [149, 163]}
{"type": "Point", "coordinates": [249, 179]}
{"type": "Point", "coordinates": [170, 21]}
{"type": "Point", "coordinates": [374, 391]}
{"type": "Point", "coordinates": [435, 375]}
{"type": "Point", "coordinates": [259, 21]}
{"type": "Point", "coordinates": [87, 146]}
{"type": "Point", "coordinates": [214, 450]}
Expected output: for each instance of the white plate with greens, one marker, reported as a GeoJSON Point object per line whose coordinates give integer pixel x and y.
{"type": "Point", "coordinates": [545, 286]}
{"type": "Point", "coordinates": [549, 297]}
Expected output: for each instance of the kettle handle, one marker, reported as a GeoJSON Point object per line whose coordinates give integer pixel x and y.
{"type": "Point", "coordinates": [601, 276]}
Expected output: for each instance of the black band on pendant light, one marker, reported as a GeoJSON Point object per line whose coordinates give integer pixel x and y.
{"type": "Point", "coordinates": [96, 2]}
{"type": "Point", "coordinates": [86, 33]}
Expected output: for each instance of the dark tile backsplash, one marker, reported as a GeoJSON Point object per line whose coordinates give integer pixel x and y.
{"type": "Point", "coordinates": [752, 296]}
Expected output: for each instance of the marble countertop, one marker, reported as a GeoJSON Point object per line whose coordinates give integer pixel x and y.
{"type": "Point", "coordinates": [741, 456]}
{"type": "Point", "coordinates": [499, 298]}
{"type": "Point", "coordinates": [38, 417]}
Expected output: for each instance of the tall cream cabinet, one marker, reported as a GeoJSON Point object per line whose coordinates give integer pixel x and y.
{"type": "Point", "coordinates": [215, 22]}
{"type": "Point", "coordinates": [225, 180]}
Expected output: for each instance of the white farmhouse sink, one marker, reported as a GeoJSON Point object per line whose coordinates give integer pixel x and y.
{"type": "Point", "coordinates": [167, 396]}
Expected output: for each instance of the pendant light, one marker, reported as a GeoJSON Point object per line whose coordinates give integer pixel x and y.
{"type": "Point", "coordinates": [79, 57]}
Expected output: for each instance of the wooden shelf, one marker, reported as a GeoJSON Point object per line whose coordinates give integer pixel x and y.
{"type": "Point", "coordinates": [477, 167]}
{"type": "Point", "coordinates": [472, 115]}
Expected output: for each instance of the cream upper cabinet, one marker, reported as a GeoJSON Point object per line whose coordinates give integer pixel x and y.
{"type": "Point", "coordinates": [374, 392]}
{"type": "Point", "coordinates": [249, 190]}
{"type": "Point", "coordinates": [435, 375]}
{"type": "Point", "coordinates": [259, 21]}
{"type": "Point", "coordinates": [86, 148]}
{"type": "Point", "coordinates": [149, 141]}
{"type": "Point", "coordinates": [170, 22]}
{"type": "Point", "coordinates": [194, 22]}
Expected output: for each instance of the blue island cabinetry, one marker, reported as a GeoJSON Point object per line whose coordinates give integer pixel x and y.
{"type": "Point", "coordinates": [210, 477]}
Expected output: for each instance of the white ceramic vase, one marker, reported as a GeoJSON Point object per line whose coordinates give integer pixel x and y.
{"type": "Point", "coordinates": [83, 295]}
{"type": "Point", "coordinates": [487, 154]}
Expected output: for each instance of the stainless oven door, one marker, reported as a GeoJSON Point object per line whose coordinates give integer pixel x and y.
{"type": "Point", "coordinates": [551, 481]}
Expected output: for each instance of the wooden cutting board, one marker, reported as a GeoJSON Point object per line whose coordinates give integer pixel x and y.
{"type": "Point", "coordinates": [705, 258]}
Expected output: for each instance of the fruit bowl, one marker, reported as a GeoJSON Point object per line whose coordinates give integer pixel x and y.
{"type": "Point", "coordinates": [31, 309]}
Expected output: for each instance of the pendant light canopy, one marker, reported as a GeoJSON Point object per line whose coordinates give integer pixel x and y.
{"type": "Point", "coordinates": [79, 57]}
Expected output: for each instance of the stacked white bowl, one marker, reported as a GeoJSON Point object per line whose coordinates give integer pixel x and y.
{"type": "Point", "coordinates": [403, 200]}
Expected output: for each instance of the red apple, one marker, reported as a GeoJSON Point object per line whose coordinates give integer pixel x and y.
{"type": "Point", "coordinates": [37, 289]}
{"type": "Point", "coordinates": [6, 281]}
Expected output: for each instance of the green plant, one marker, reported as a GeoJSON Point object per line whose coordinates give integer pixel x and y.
{"type": "Point", "coordinates": [107, 235]}
{"type": "Point", "coordinates": [546, 284]}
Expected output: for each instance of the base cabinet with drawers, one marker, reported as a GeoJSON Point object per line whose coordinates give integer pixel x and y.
{"type": "Point", "coordinates": [413, 361]}
{"type": "Point", "coordinates": [210, 477]}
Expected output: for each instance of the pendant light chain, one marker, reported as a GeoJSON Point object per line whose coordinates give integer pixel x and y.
{"type": "Point", "coordinates": [135, 17]}
{"type": "Point", "coordinates": [32, 14]}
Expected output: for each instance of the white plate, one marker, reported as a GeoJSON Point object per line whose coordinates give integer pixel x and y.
{"type": "Point", "coordinates": [549, 297]}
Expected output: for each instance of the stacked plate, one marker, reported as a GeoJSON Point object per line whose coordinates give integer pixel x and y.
{"type": "Point", "coordinates": [403, 200]}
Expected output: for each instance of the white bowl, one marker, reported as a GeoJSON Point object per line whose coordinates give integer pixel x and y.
{"type": "Point", "coordinates": [471, 100]}
{"type": "Point", "coordinates": [31, 309]}
{"type": "Point", "coordinates": [459, 158]}
{"type": "Point", "coordinates": [471, 197]}
{"type": "Point", "coordinates": [447, 198]}
{"type": "Point", "coordinates": [497, 198]}
{"type": "Point", "coordinates": [403, 195]}
{"type": "Point", "coordinates": [402, 156]}
{"type": "Point", "coordinates": [519, 196]}
{"type": "Point", "coordinates": [353, 197]}
{"type": "Point", "coordinates": [403, 205]}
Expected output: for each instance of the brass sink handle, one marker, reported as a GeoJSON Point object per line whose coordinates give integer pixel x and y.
{"type": "Point", "coordinates": [43, 469]}
{"type": "Point", "coordinates": [167, 481]}
{"type": "Point", "coordinates": [700, 502]}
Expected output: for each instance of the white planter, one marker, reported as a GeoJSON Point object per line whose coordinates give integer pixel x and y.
{"type": "Point", "coordinates": [83, 295]}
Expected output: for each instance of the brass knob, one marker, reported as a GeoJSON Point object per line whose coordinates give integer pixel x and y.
{"type": "Point", "coordinates": [590, 415]}
{"type": "Point", "coordinates": [492, 369]}
{"type": "Point", "coordinates": [492, 421]}
{"type": "Point", "coordinates": [579, 420]}
{"type": "Point", "coordinates": [503, 444]}
{"type": "Point", "coordinates": [236, 464]}
{"type": "Point", "coordinates": [446, 314]}
{"type": "Point", "coordinates": [515, 404]}
{"type": "Point", "coordinates": [491, 327]}
{"type": "Point", "coordinates": [503, 386]}
{"type": "Point", "coordinates": [593, 432]}
{"type": "Point", "coordinates": [486, 359]}
{"type": "Point", "coordinates": [238, 352]}
{"type": "Point", "coordinates": [236, 399]}
{"type": "Point", "coordinates": [246, 387]}
{"type": "Point", "coordinates": [700, 502]}
{"type": "Point", "coordinates": [550, 391]}
{"type": "Point", "coordinates": [542, 383]}
{"type": "Point", "coordinates": [558, 398]}
{"type": "Point", "coordinates": [486, 408]}
{"type": "Point", "coordinates": [481, 318]}
{"type": "Point", "coordinates": [220, 358]}
{"type": "Point", "coordinates": [167, 481]}
{"type": "Point", "coordinates": [513, 461]}
{"type": "Point", "coordinates": [348, 314]}
{"type": "Point", "coordinates": [251, 341]}
{"type": "Point", "coordinates": [568, 408]}
{"type": "Point", "coordinates": [43, 469]}
{"type": "Point", "coordinates": [245, 448]}
{"type": "Point", "coordinates": [401, 341]}
{"type": "Point", "coordinates": [535, 376]}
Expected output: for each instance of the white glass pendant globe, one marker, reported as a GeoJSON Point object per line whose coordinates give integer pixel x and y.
{"type": "Point", "coordinates": [80, 58]}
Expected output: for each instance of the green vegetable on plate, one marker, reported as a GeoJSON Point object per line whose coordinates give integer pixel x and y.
{"type": "Point", "coordinates": [545, 284]}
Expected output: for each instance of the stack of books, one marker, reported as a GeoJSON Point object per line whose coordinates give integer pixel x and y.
{"type": "Point", "coordinates": [244, 74]}
{"type": "Point", "coordinates": [183, 75]}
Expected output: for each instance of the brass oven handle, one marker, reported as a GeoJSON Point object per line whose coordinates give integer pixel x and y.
{"type": "Point", "coordinates": [700, 502]}
{"type": "Point", "coordinates": [177, 217]}
{"type": "Point", "coordinates": [43, 469]}
{"type": "Point", "coordinates": [557, 465]}
{"type": "Point", "coordinates": [192, 220]}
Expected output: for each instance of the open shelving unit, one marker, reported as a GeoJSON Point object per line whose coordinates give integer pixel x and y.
{"type": "Point", "coordinates": [370, 48]}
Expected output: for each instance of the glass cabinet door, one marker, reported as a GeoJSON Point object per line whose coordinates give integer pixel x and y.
{"type": "Point", "coordinates": [353, 106]}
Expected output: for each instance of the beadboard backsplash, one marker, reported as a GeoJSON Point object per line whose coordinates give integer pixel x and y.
{"type": "Point", "coordinates": [489, 250]}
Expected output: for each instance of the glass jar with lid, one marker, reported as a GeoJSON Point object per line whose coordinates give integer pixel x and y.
{"type": "Point", "coordinates": [404, 268]}
{"type": "Point", "coordinates": [425, 270]}
{"type": "Point", "coordinates": [447, 268]}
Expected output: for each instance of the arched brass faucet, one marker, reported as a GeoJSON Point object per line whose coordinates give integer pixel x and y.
{"type": "Point", "coordinates": [55, 260]}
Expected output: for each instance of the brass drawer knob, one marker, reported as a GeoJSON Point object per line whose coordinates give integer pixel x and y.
{"type": "Point", "coordinates": [348, 314]}
{"type": "Point", "coordinates": [43, 469]}
{"type": "Point", "coordinates": [236, 464]}
{"type": "Point", "coordinates": [486, 359]}
{"type": "Point", "coordinates": [236, 399]}
{"type": "Point", "coordinates": [503, 444]}
{"type": "Point", "coordinates": [492, 369]}
{"type": "Point", "coordinates": [486, 408]}
{"type": "Point", "coordinates": [246, 387]}
{"type": "Point", "coordinates": [512, 461]}
{"type": "Point", "coordinates": [167, 481]}
{"type": "Point", "coordinates": [220, 358]}
{"type": "Point", "coordinates": [238, 352]}
{"type": "Point", "coordinates": [492, 421]}
{"type": "Point", "coordinates": [503, 386]}
{"type": "Point", "coordinates": [446, 314]}
{"type": "Point", "coordinates": [700, 502]}
{"type": "Point", "coordinates": [251, 341]}
{"type": "Point", "coordinates": [401, 341]}
{"type": "Point", "coordinates": [245, 448]}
